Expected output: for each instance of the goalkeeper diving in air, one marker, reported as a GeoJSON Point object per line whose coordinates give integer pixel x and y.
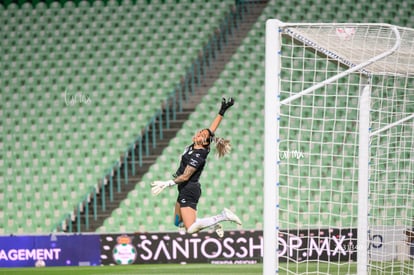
{"type": "Point", "coordinates": [187, 177]}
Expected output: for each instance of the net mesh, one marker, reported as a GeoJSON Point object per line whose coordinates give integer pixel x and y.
{"type": "Point", "coordinates": [318, 148]}
{"type": "Point", "coordinates": [391, 175]}
{"type": "Point", "coordinates": [355, 44]}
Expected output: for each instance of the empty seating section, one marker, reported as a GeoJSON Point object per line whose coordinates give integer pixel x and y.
{"type": "Point", "coordinates": [79, 82]}
{"type": "Point", "coordinates": [237, 180]}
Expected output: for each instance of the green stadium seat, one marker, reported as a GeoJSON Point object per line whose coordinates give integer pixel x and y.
{"type": "Point", "coordinates": [88, 35]}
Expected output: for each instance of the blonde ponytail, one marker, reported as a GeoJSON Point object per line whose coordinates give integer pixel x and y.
{"type": "Point", "coordinates": [223, 146]}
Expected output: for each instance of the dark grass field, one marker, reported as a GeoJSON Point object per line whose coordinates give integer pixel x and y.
{"type": "Point", "coordinates": [402, 268]}
{"type": "Point", "coordinates": [170, 269]}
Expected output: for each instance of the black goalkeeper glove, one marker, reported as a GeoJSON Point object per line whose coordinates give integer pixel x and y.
{"type": "Point", "coordinates": [225, 105]}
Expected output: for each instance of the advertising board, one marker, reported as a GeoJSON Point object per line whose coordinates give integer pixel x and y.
{"type": "Point", "coordinates": [53, 250]}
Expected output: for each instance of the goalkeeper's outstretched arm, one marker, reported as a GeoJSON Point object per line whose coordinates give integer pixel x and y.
{"type": "Point", "coordinates": [188, 172]}
{"type": "Point", "coordinates": [224, 106]}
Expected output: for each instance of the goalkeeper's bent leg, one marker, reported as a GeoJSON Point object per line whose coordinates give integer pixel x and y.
{"type": "Point", "coordinates": [200, 224]}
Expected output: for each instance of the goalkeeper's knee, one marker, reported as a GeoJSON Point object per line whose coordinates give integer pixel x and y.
{"type": "Point", "coordinates": [195, 227]}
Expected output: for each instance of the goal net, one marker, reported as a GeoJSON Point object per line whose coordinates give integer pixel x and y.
{"type": "Point", "coordinates": [339, 157]}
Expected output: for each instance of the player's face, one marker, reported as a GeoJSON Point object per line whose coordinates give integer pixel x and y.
{"type": "Point", "coordinates": [200, 138]}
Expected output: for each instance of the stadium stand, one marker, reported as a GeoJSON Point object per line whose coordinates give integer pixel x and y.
{"type": "Point", "coordinates": [241, 173]}
{"type": "Point", "coordinates": [81, 79]}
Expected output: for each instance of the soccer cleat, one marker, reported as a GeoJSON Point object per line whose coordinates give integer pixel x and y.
{"type": "Point", "coordinates": [219, 230]}
{"type": "Point", "coordinates": [230, 216]}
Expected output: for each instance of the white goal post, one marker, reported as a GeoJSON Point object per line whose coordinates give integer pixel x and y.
{"type": "Point", "coordinates": [339, 157]}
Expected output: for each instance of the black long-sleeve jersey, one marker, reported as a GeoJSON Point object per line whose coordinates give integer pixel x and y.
{"type": "Point", "coordinates": [195, 158]}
